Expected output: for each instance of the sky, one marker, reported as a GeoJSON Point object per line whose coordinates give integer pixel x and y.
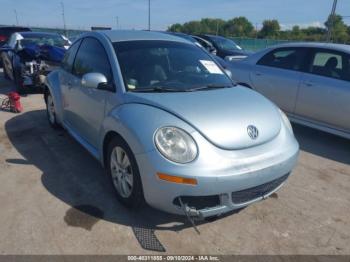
{"type": "Point", "coordinates": [133, 14]}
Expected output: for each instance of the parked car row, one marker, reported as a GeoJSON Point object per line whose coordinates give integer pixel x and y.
{"type": "Point", "coordinates": [27, 57]}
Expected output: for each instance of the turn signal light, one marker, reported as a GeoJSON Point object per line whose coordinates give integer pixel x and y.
{"type": "Point", "coordinates": [177, 179]}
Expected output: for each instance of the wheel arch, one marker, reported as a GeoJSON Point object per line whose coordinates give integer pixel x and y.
{"type": "Point", "coordinates": [109, 136]}
{"type": "Point", "coordinates": [52, 86]}
{"type": "Point", "coordinates": [136, 124]}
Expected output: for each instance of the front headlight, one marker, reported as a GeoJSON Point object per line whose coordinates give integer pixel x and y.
{"type": "Point", "coordinates": [286, 121]}
{"type": "Point", "coordinates": [176, 145]}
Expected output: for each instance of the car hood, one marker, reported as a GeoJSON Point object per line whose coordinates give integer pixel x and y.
{"type": "Point", "coordinates": [222, 116]}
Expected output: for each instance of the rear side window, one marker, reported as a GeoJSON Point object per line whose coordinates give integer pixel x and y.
{"type": "Point", "coordinates": [68, 60]}
{"type": "Point", "coordinates": [92, 58]}
{"type": "Point", "coordinates": [284, 58]}
{"type": "Point", "coordinates": [330, 63]}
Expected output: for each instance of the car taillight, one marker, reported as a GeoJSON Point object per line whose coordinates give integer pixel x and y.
{"type": "Point", "coordinates": [3, 38]}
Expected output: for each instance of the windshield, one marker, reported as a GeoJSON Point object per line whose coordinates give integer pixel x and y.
{"type": "Point", "coordinates": [225, 44]}
{"type": "Point", "coordinates": [155, 65]}
{"type": "Point", "coordinates": [43, 39]}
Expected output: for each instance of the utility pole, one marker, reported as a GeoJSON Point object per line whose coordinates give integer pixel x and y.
{"type": "Point", "coordinates": [16, 16]}
{"type": "Point", "coordinates": [330, 26]}
{"type": "Point", "coordinates": [149, 15]}
{"type": "Point", "coordinates": [117, 22]}
{"type": "Point", "coordinates": [64, 19]}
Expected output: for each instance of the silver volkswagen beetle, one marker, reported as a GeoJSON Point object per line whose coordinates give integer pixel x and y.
{"type": "Point", "coordinates": [168, 124]}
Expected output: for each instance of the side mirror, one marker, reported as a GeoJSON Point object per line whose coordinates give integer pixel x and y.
{"type": "Point", "coordinates": [94, 80]}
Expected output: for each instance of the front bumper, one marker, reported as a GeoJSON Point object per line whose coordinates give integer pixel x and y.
{"type": "Point", "coordinates": [226, 180]}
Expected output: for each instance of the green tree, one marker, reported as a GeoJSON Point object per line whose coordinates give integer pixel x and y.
{"type": "Point", "coordinates": [296, 33]}
{"type": "Point", "coordinates": [339, 28]}
{"type": "Point", "coordinates": [212, 26]}
{"type": "Point", "coordinates": [270, 29]}
{"type": "Point", "coordinates": [175, 28]}
{"type": "Point", "coordinates": [239, 26]}
{"type": "Point", "coordinates": [193, 27]}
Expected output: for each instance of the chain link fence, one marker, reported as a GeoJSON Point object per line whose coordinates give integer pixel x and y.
{"type": "Point", "coordinates": [255, 44]}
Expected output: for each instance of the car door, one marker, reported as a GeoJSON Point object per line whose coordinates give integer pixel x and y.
{"type": "Point", "coordinates": [324, 95]}
{"type": "Point", "coordinates": [87, 105]}
{"type": "Point", "coordinates": [67, 80]}
{"type": "Point", "coordinates": [277, 76]}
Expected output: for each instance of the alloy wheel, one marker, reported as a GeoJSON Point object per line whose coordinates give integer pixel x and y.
{"type": "Point", "coordinates": [121, 171]}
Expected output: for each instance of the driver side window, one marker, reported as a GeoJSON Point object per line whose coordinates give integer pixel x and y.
{"type": "Point", "coordinates": [92, 58]}
{"type": "Point", "coordinates": [68, 60]}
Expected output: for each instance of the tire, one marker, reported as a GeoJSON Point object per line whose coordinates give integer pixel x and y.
{"type": "Point", "coordinates": [124, 173]}
{"type": "Point", "coordinates": [51, 112]}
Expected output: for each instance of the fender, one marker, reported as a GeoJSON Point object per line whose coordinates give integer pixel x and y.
{"type": "Point", "coordinates": [136, 124]}
{"type": "Point", "coordinates": [52, 82]}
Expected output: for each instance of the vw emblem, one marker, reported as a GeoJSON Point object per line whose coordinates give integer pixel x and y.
{"type": "Point", "coordinates": [253, 132]}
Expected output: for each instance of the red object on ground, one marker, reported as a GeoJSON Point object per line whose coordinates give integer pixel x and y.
{"type": "Point", "coordinates": [14, 102]}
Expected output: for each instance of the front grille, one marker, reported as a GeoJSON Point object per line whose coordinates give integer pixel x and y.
{"type": "Point", "coordinates": [249, 194]}
{"type": "Point", "coordinates": [198, 202]}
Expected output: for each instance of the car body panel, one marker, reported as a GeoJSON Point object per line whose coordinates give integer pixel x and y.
{"type": "Point", "coordinates": [281, 86]}
{"type": "Point", "coordinates": [228, 130]}
{"type": "Point", "coordinates": [324, 100]}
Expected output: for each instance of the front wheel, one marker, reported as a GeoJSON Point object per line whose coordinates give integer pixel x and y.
{"type": "Point", "coordinates": [50, 111]}
{"type": "Point", "coordinates": [123, 170]}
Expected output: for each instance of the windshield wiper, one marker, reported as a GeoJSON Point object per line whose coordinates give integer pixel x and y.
{"type": "Point", "coordinates": [157, 89]}
{"type": "Point", "coordinates": [208, 87]}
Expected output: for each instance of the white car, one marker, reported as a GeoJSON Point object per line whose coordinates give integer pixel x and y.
{"type": "Point", "coordinates": [309, 81]}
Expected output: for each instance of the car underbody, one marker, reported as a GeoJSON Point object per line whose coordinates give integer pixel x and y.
{"type": "Point", "coordinates": [33, 73]}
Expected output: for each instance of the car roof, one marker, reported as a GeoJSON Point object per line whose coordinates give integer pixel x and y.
{"type": "Point", "coordinates": [134, 35]}
{"type": "Point", "coordinates": [14, 27]}
{"type": "Point", "coordinates": [211, 36]}
{"type": "Point", "coordinates": [339, 47]}
{"type": "Point", "coordinates": [182, 35]}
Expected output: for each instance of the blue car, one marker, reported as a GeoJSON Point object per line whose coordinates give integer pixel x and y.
{"type": "Point", "coordinates": [168, 124]}
{"type": "Point", "coordinates": [29, 56]}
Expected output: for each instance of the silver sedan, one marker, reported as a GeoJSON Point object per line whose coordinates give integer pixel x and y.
{"type": "Point", "coordinates": [309, 81]}
{"type": "Point", "coordinates": [168, 124]}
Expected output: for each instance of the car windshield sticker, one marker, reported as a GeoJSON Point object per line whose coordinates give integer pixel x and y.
{"type": "Point", "coordinates": [211, 67]}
